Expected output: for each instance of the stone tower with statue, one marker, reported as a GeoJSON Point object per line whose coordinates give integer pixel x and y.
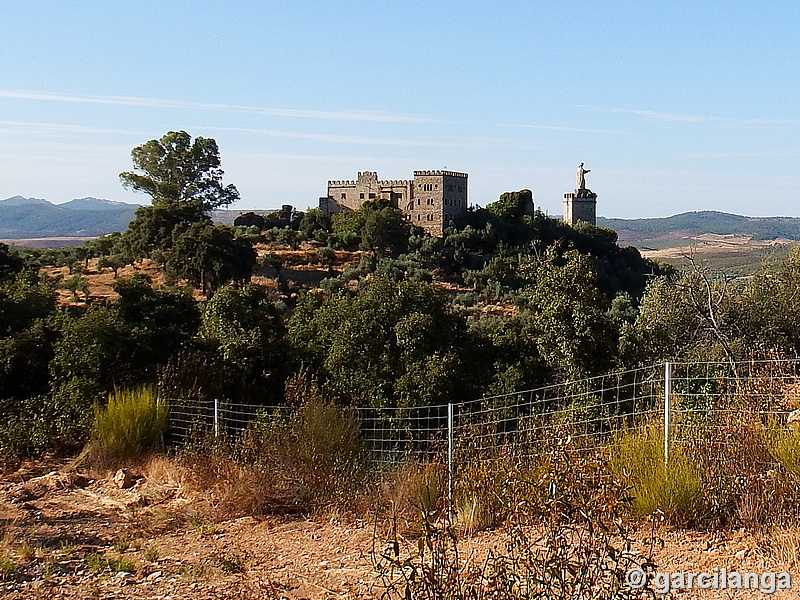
{"type": "Point", "coordinates": [581, 203]}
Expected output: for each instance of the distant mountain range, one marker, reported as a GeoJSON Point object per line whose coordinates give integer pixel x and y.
{"type": "Point", "coordinates": [760, 228]}
{"type": "Point", "coordinates": [84, 217]}
{"type": "Point", "coordinates": [89, 217]}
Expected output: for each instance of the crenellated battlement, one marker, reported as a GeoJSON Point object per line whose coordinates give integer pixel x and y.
{"type": "Point", "coordinates": [349, 182]}
{"type": "Point", "coordinates": [438, 173]}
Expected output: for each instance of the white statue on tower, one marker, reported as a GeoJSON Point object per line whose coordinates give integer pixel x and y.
{"type": "Point", "coordinates": [581, 177]}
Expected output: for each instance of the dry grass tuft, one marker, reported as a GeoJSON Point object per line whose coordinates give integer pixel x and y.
{"type": "Point", "coordinates": [785, 548]}
{"type": "Point", "coordinates": [675, 489]}
{"type": "Point", "coordinates": [416, 487]}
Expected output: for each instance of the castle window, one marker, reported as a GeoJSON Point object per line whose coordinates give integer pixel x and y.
{"type": "Point", "coordinates": [371, 196]}
{"type": "Point", "coordinates": [419, 200]}
{"type": "Point", "coordinates": [419, 217]}
{"type": "Point", "coordinates": [344, 196]}
{"type": "Point", "coordinates": [361, 196]}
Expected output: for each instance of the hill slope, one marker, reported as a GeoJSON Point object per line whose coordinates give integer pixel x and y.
{"type": "Point", "coordinates": [759, 228]}
{"type": "Point", "coordinates": [34, 218]}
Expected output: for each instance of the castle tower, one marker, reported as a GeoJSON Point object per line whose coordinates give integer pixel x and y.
{"type": "Point", "coordinates": [432, 200]}
{"type": "Point", "coordinates": [581, 203]}
{"type": "Point", "coordinates": [440, 197]}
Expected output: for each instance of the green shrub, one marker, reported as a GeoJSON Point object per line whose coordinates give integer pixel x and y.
{"type": "Point", "coordinates": [132, 422]}
{"type": "Point", "coordinates": [674, 489]}
{"type": "Point", "coordinates": [784, 445]}
{"type": "Point", "coordinates": [98, 563]}
{"type": "Point", "coordinates": [7, 567]}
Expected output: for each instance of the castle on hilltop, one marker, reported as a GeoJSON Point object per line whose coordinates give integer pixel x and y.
{"type": "Point", "coordinates": [432, 200]}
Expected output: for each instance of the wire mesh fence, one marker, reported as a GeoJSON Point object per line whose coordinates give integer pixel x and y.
{"type": "Point", "coordinates": [694, 404]}
{"type": "Point", "coordinates": [714, 402]}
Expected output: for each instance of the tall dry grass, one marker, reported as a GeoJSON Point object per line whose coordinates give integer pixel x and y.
{"type": "Point", "coordinates": [130, 424]}
{"type": "Point", "coordinates": [673, 489]}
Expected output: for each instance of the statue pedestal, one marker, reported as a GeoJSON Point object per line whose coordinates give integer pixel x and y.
{"type": "Point", "coordinates": [580, 205]}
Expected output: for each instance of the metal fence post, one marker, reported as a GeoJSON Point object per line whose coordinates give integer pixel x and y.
{"type": "Point", "coordinates": [163, 441]}
{"type": "Point", "coordinates": [667, 407]}
{"type": "Point", "coordinates": [450, 454]}
{"type": "Point", "coordinates": [216, 417]}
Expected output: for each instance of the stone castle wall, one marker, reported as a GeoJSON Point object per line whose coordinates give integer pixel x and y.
{"type": "Point", "coordinates": [431, 200]}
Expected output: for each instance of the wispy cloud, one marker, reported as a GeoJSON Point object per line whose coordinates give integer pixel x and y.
{"type": "Point", "coordinates": [560, 128]}
{"type": "Point", "coordinates": [136, 101]}
{"type": "Point", "coordinates": [465, 142]}
{"type": "Point", "coordinates": [25, 127]}
{"type": "Point", "coordinates": [655, 115]}
{"type": "Point", "coordinates": [765, 153]}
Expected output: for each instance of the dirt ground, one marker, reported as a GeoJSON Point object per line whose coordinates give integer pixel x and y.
{"type": "Point", "coordinates": [64, 534]}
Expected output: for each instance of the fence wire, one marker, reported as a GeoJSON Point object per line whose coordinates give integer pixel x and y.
{"type": "Point", "coordinates": [717, 403]}
{"type": "Point", "coordinates": [710, 402]}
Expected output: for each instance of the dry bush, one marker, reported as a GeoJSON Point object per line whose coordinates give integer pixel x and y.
{"type": "Point", "coordinates": [785, 548]}
{"type": "Point", "coordinates": [564, 538]}
{"type": "Point", "coordinates": [413, 489]}
{"type": "Point", "coordinates": [743, 484]}
{"type": "Point", "coordinates": [237, 489]}
{"type": "Point", "coordinates": [481, 470]}
{"type": "Point", "coordinates": [473, 514]}
{"type": "Point", "coordinates": [164, 477]}
{"type": "Point", "coordinates": [309, 460]}
{"type": "Point", "coordinates": [316, 454]}
{"type": "Point", "coordinates": [481, 495]}
{"type": "Point", "coordinates": [416, 486]}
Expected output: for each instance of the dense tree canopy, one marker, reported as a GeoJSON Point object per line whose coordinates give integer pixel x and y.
{"type": "Point", "coordinates": [210, 256]}
{"type": "Point", "coordinates": [178, 172]}
{"type": "Point", "coordinates": [390, 343]}
{"type": "Point", "coordinates": [183, 179]}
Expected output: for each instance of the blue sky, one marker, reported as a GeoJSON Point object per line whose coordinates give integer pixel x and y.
{"type": "Point", "coordinates": [674, 106]}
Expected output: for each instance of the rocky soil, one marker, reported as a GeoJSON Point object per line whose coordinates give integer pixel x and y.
{"type": "Point", "coordinates": [67, 534]}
